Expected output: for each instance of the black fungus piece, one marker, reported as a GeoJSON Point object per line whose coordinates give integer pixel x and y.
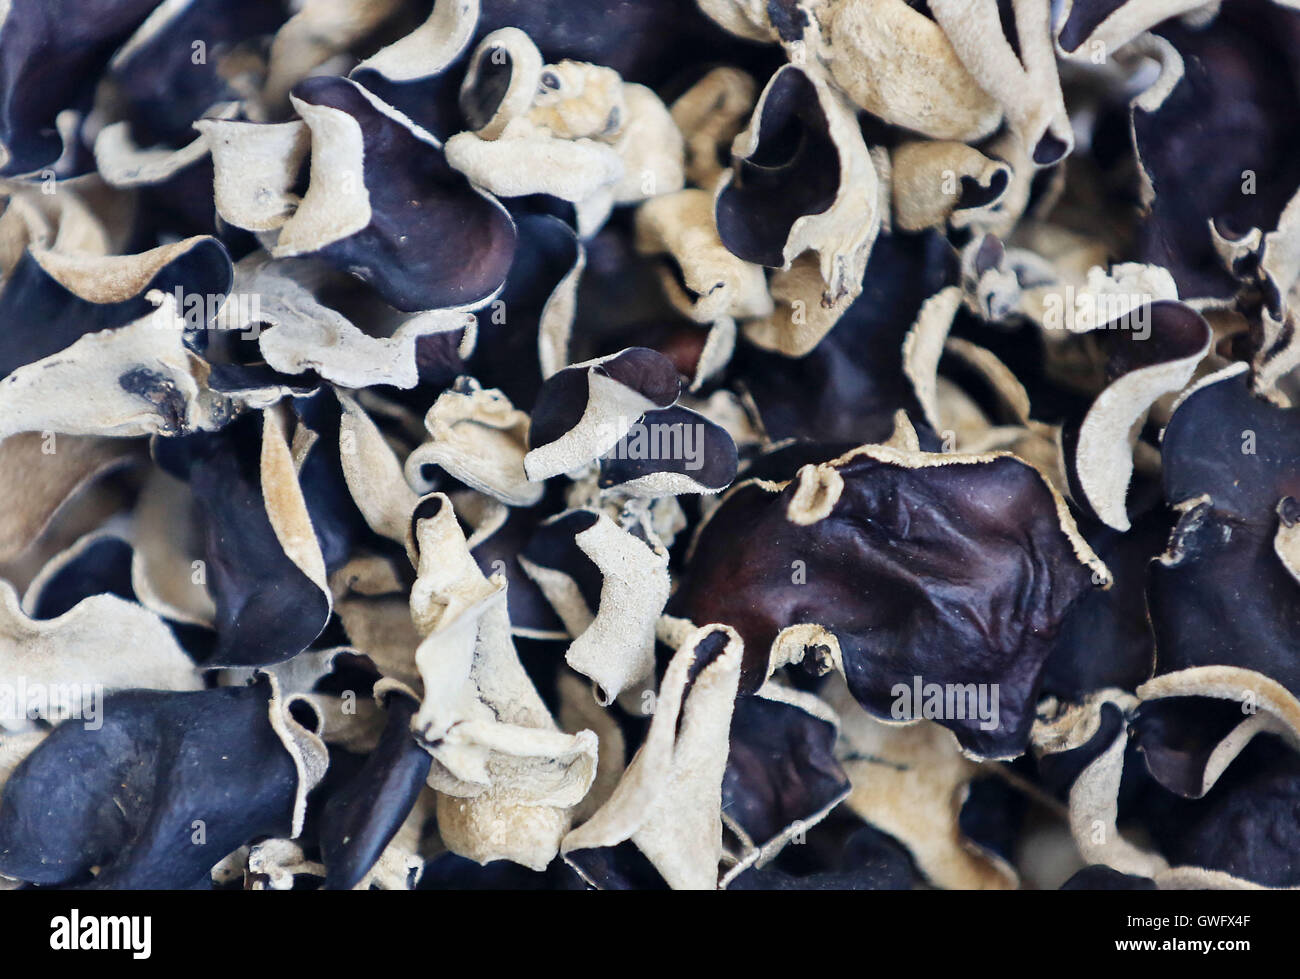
{"type": "Point", "coordinates": [781, 773]}
{"type": "Point", "coordinates": [362, 817]}
{"type": "Point", "coordinates": [793, 172]}
{"type": "Point", "coordinates": [851, 384]}
{"type": "Point", "coordinates": [957, 574]}
{"type": "Point", "coordinates": [168, 786]}
{"type": "Point", "coordinates": [432, 241]}
{"type": "Point", "coordinates": [51, 55]}
{"type": "Point", "coordinates": [267, 608]}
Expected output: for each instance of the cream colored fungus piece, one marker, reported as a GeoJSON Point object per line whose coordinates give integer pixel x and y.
{"type": "Point", "coordinates": [301, 334]}
{"type": "Point", "coordinates": [744, 18]}
{"type": "Point", "coordinates": [928, 181]}
{"type": "Point", "coordinates": [910, 781]}
{"type": "Point", "coordinates": [374, 475]}
{"type": "Point", "coordinates": [611, 411]}
{"type": "Point", "coordinates": [1026, 82]}
{"type": "Point", "coordinates": [579, 100]}
{"type": "Point", "coordinates": [40, 472]}
{"type": "Point", "coordinates": [650, 147]}
{"type": "Point", "coordinates": [669, 800]}
{"type": "Point", "coordinates": [899, 65]}
{"type": "Point", "coordinates": [579, 710]}
{"type": "Point", "coordinates": [167, 559]}
{"type": "Point", "coordinates": [62, 222]}
{"type": "Point", "coordinates": [319, 30]}
{"type": "Point", "coordinates": [80, 389]}
{"type": "Point", "coordinates": [681, 226]}
{"type": "Point", "coordinates": [617, 648]}
{"type": "Point", "coordinates": [709, 115]}
{"type": "Point", "coordinates": [527, 159]}
{"type": "Point", "coordinates": [1093, 800]}
{"type": "Point", "coordinates": [255, 166]}
{"type": "Point", "coordinates": [1104, 455]}
{"type": "Point", "coordinates": [431, 47]}
{"type": "Point", "coordinates": [1267, 708]}
{"type": "Point", "coordinates": [923, 348]}
{"type": "Point", "coordinates": [481, 439]}
{"type": "Point", "coordinates": [101, 643]}
{"type": "Point", "coordinates": [122, 164]}
{"type": "Point", "coordinates": [286, 508]}
{"type": "Point", "coordinates": [337, 203]}
{"type": "Point", "coordinates": [525, 71]}
{"type": "Point", "coordinates": [109, 278]}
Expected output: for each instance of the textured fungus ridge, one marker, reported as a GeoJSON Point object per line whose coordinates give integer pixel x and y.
{"type": "Point", "coordinates": [649, 444]}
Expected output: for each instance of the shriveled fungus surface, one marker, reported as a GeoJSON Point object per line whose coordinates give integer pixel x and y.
{"type": "Point", "coordinates": [649, 443]}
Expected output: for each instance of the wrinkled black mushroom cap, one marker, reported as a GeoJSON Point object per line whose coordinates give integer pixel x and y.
{"type": "Point", "coordinates": [953, 573]}
{"type": "Point", "coordinates": [126, 797]}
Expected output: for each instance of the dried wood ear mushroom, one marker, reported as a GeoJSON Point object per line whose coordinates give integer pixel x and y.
{"type": "Point", "coordinates": [696, 444]}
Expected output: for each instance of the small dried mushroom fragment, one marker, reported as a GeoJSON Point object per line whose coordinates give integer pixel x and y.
{"type": "Point", "coordinates": [782, 775]}
{"type": "Point", "coordinates": [894, 61]}
{"type": "Point", "coordinates": [612, 621]}
{"type": "Point", "coordinates": [571, 130]}
{"type": "Point", "coordinates": [670, 452]}
{"type": "Point", "coordinates": [138, 379]}
{"type": "Point", "coordinates": [1015, 62]}
{"type": "Point", "coordinates": [360, 820]}
{"type": "Point", "coordinates": [931, 181]}
{"type": "Point", "coordinates": [383, 204]}
{"type": "Point", "coordinates": [668, 803]}
{"type": "Point", "coordinates": [709, 115]}
{"type": "Point", "coordinates": [583, 410]}
{"type": "Point", "coordinates": [38, 483]}
{"type": "Point", "coordinates": [895, 554]}
{"type": "Point", "coordinates": [501, 81]}
{"type": "Point", "coordinates": [1081, 753]}
{"type": "Point", "coordinates": [318, 31]}
{"type": "Point", "coordinates": [802, 180]}
{"type": "Point", "coordinates": [114, 807]}
{"type": "Point", "coordinates": [101, 641]}
{"type": "Point", "coordinates": [296, 333]}
{"type": "Point", "coordinates": [255, 169]}
{"type": "Point", "coordinates": [703, 280]}
{"type": "Point", "coordinates": [262, 558]}
{"type": "Point", "coordinates": [1151, 351]}
{"type": "Point", "coordinates": [479, 438]}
